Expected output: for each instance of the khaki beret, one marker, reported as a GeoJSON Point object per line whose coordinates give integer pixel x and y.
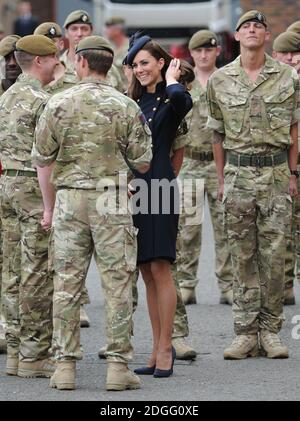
{"type": "Point", "coordinates": [8, 44]}
{"type": "Point", "coordinates": [295, 27]}
{"type": "Point", "coordinates": [49, 29]}
{"type": "Point", "coordinates": [78, 16]}
{"type": "Point", "coordinates": [252, 15]}
{"type": "Point", "coordinates": [115, 20]}
{"type": "Point", "coordinates": [94, 42]}
{"type": "Point", "coordinates": [203, 38]}
{"type": "Point", "coordinates": [287, 42]}
{"type": "Point", "coordinates": [37, 45]}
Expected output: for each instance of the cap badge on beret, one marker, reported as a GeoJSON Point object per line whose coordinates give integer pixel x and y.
{"type": "Point", "coordinates": [213, 41]}
{"type": "Point", "coordinates": [260, 17]}
{"type": "Point", "coordinates": [84, 18]}
{"type": "Point", "coordinates": [52, 31]}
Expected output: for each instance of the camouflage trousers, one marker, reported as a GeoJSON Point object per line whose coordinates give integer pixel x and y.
{"type": "Point", "coordinates": [257, 212]}
{"type": "Point", "coordinates": [79, 230]}
{"type": "Point", "coordinates": [191, 233]}
{"type": "Point", "coordinates": [27, 285]}
{"type": "Point", "coordinates": [292, 261]}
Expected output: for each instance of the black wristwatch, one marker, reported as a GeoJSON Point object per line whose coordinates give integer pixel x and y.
{"type": "Point", "coordinates": [295, 173]}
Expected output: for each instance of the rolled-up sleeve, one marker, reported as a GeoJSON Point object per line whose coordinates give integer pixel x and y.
{"type": "Point", "coordinates": [138, 150]}
{"type": "Point", "coordinates": [45, 147]}
{"type": "Point", "coordinates": [215, 117]}
{"type": "Point", "coordinates": [296, 111]}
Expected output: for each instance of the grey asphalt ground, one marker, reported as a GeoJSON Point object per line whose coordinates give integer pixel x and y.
{"type": "Point", "coordinates": [209, 377]}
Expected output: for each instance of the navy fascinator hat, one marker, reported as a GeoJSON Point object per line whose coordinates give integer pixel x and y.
{"type": "Point", "coordinates": [136, 43]}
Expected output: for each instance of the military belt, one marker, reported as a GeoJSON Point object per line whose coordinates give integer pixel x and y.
{"type": "Point", "coordinates": [22, 173]}
{"type": "Point", "coordinates": [199, 156]}
{"type": "Point", "coordinates": [256, 160]}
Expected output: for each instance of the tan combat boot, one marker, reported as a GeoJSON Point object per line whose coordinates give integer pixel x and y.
{"type": "Point", "coordinates": [102, 351]}
{"type": "Point", "coordinates": [243, 346]}
{"type": "Point", "coordinates": [272, 345]}
{"type": "Point", "coordinates": [3, 347]}
{"type": "Point", "coordinates": [64, 376]}
{"type": "Point", "coordinates": [227, 297]}
{"type": "Point", "coordinates": [12, 364]}
{"type": "Point", "coordinates": [183, 350]}
{"type": "Point", "coordinates": [188, 296]}
{"type": "Point", "coordinates": [289, 297]}
{"type": "Point", "coordinates": [40, 368]}
{"type": "Point", "coordinates": [84, 318]}
{"type": "Point", "coordinates": [119, 377]}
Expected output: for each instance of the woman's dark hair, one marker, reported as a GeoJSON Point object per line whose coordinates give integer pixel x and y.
{"type": "Point", "coordinates": [135, 89]}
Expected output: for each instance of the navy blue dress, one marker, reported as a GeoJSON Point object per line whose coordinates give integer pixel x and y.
{"type": "Point", "coordinates": [164, 111]}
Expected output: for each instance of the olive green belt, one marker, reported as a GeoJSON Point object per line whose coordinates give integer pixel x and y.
{"type": "Point", "coordinates": [199, 156]}
{"type": "Point", "coordinates": [256, 160]}
{"type": "Point", "coordinates": [12, 173]}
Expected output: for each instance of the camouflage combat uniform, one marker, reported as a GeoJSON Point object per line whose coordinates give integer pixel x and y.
{"type": "Point", "coordinates": [120, 54]}
{"type": "Point", "coordinates": [256, 118]}
{"type": "Point", "coordinates": [70, 79]}
{"type": "Point", "coordinates": [199, 164]}
{"type": "Point", "coordinates": [29, 330]}
{"type": "Point", "coordinates": [88, 131]}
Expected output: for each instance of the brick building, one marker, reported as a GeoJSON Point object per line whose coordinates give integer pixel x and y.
{"type": "Point", "coordinates": [280, 13]}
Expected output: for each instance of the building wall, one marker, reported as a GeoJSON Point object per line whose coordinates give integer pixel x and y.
{"type": "Point", "coordinates": [280, 13]}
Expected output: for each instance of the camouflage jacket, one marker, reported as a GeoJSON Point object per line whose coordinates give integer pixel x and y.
{"type": "Point", "coordinates": [199, 134]}
{"type": "Point", "coordinates": [254, 116]}
{"type": "Point", "coordinates": [119, 56]}
{"type": "Point", "coordinates": [71, 78]}
{"type": "Point", "coordinates": [92, 132]}
{"type": "Point", "coordinates": [20, 108]}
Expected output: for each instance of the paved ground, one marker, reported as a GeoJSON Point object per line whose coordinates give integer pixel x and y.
{"type": "Point", "coordinates": [208, 378]}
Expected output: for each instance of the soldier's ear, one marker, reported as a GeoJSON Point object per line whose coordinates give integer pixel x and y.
{"type": "Point", "coordinates": [237, 36]}
{"type": "Point", "coordinates": [268, 35]}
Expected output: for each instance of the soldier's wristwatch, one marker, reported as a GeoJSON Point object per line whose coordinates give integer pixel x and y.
{"type": "Point", "coordinates": [295, 173]}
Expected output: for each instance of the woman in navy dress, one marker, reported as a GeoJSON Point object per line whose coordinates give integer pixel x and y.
{"type": "Point", "coordinates": [164, 101]}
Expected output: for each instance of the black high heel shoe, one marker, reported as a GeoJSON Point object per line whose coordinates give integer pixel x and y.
{"type": "Point", "coordinates": [166, 373]}
{"type": "Point", "coordinates": [145, 371]}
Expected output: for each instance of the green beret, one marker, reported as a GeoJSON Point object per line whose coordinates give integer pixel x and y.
{"type": "Point", "coordinates": [287, 42]}
{"type": "Point", "coordinates": [8, 44]}
{"type": "Point", "coordinates": [251, 16]}
{"type": "Point", "coordinates": [49, 29]}
{"type": "Point", "coordinates": [295, 27]}
{"type": "Point", "coordinates": [203, 38]}
{"type": "Point", "coordinates": [37, 45]}
{"type": "Point", "coordinates": [115, 20]}
{"type": "Point", "coordinates": [78, 16]}
{"type": "Point", "coordinates": [94, 42]}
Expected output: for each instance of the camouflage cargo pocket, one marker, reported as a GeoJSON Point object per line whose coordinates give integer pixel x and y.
{"type": "Point", "coordinates": [234, 107]}
{"type": "Point", "coordinates": [279, 108]}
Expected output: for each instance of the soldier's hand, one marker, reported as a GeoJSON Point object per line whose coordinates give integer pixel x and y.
{"type": "Point", "coordinates": [46, 222]}
{"type": "Point", "coordinates": [221, 192]}
{"type": "Point", "coordinates": [293, 189]}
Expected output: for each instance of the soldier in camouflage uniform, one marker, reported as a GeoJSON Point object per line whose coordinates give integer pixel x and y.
{"type": "Point", "coordinates": [29, 337]}
{"type": "Point", "coordinates": [115, 32]}
{"type": "Point", "coordinates": [96, 131]}
{"type": "Point", "coordinates": [254, 111]}
{"type": "Point", "coordinates": [199, 164]}
{"type": "Point", "coordinates": [286, 48]}
{"type": "Point", "coordinates": [12, 71]}
{"type": "Point", "coordinates": [61, 82]}
{"type": "Point", "coordinates": [78, 25]}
